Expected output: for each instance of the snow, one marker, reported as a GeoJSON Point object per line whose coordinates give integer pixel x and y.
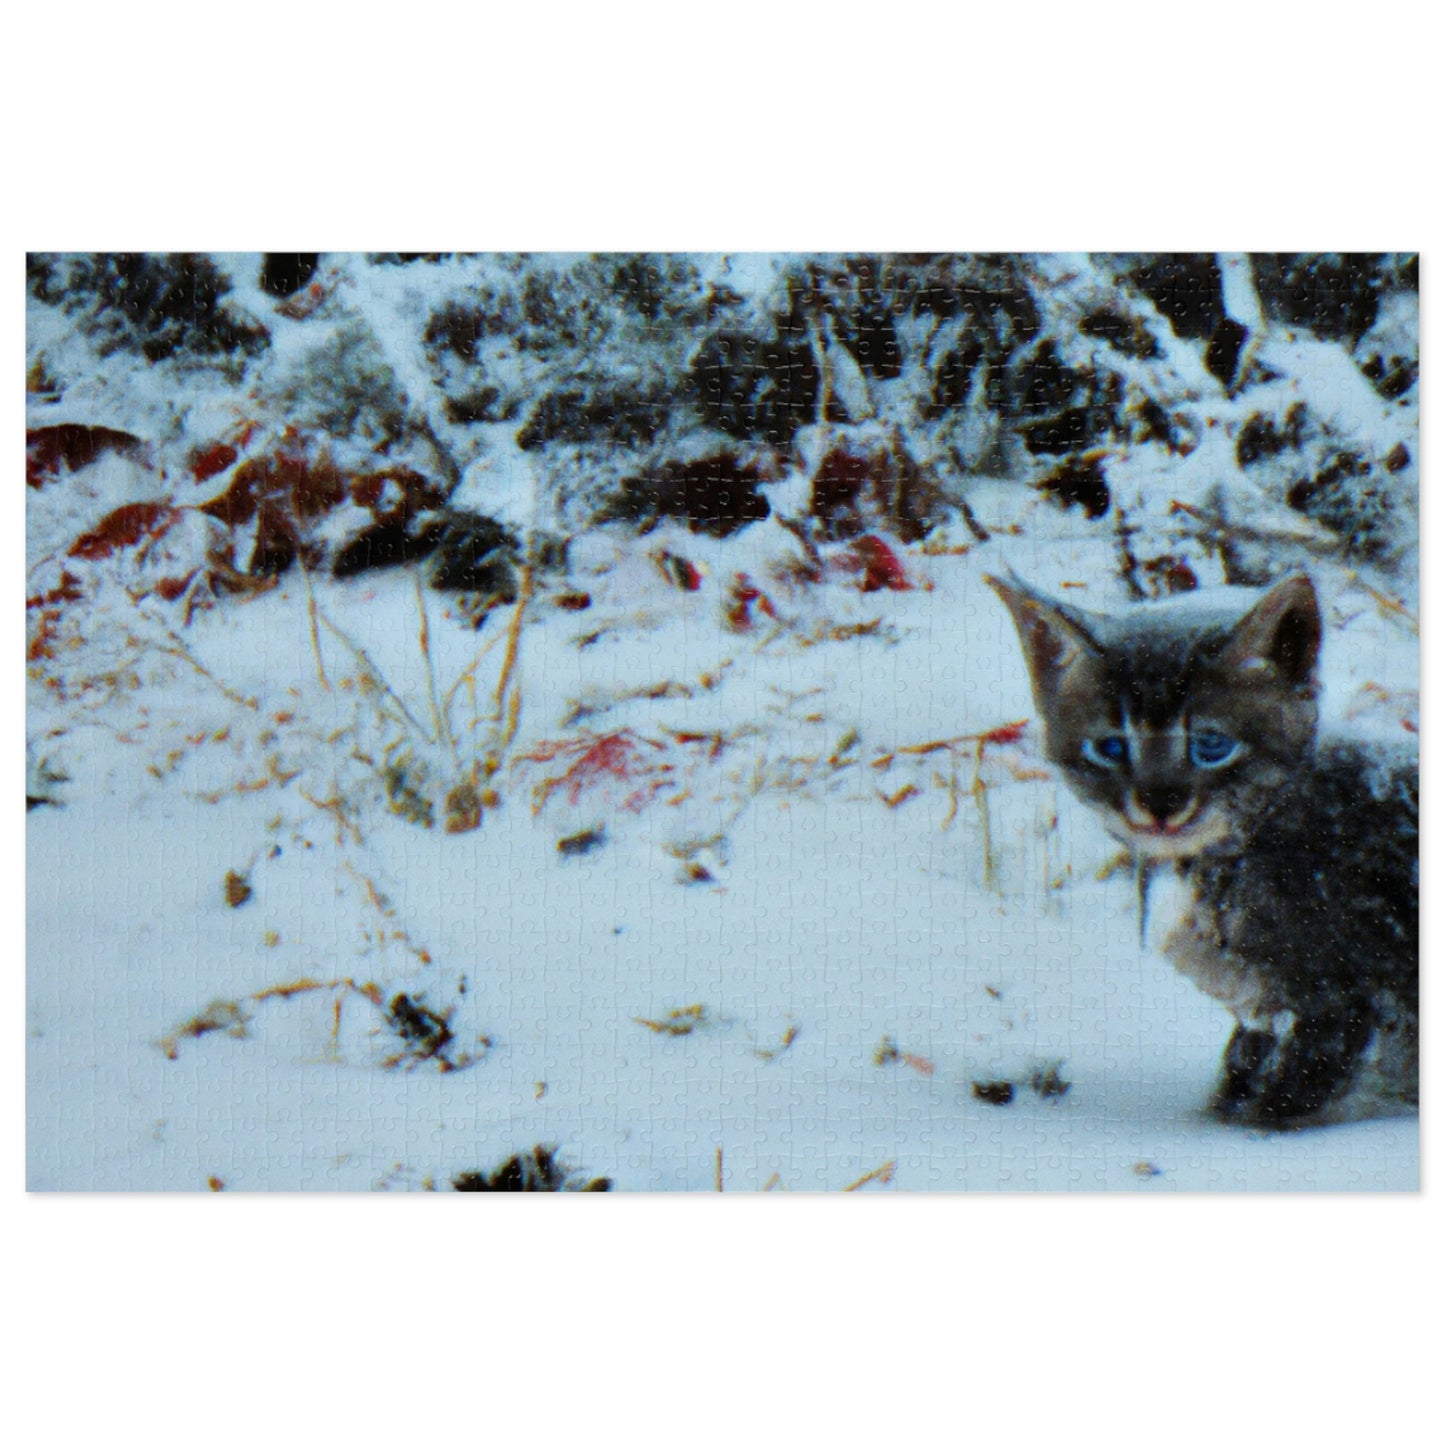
{"type": "Point", "coordinates": [803, 936]}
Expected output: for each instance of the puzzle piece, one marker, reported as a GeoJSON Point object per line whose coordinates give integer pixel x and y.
{"type": "Point", "coordinates": [506, 723]}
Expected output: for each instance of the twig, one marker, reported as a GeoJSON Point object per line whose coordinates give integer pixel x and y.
{"type": "Point", "coordinates": [468, 675]}
{"type": "Point", "coordinates": [1129, 562]}
{"type": "Point", "coordinates": [717, 1171]}
{"type": "Point", "coordinates": [952, 792]}
{"type": "Point", "coordinates": [1221, 531]}
{"type": "Point", "coordinates": [443, 732]}
{"type": "Point", "coordinates": [373, 674]}
{"type": "Point", "coordinates": [883, 1175]}
{"type": "Point", "coordinates": [1004, 733]}
{"type": "Point", "coordinates": [980, 532]}
{"type": "Point", "coordinates": [509, 697]}
{"type": "Point", "coordinates": [179, 649]}
{"type": "Point", "coordinates": [1387, 604]}
{"type": "Point", "coordinates": [825, 370]}
{"type": "Point", "coordinates": [337, 808]}
{"type": "Point", "coordinates": [311, 614]}
{"type": "Point", "coordinates": [979, 789]}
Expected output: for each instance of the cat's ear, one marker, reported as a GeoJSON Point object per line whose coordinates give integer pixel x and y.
{"type": "Point", "coordinates": [1281, 633]}
{"type": "Point", "coordinates": [1053, 639]}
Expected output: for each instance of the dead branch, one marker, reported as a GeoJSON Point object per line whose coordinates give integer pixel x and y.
{"type": "Point", "coordinates": [883, 1174]}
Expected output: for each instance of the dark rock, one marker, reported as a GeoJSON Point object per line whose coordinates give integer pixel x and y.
{"type": "Point", "coordinates": [953, 375]}
{"type": "Point", "coordinates": [476, 554]}
{"type": "Point", "coordinates": [156, 304]}
{"type": "Point", "coordinates": [580, 844]}
{"type": "Point", "coordinates": [1261, 438]}
{"type": "Point", "coordinates": [1336, 296]}
{"type": "Point", "coordinates": [756, 388]}
{"type": "Point", "coordinates": [485, 404]}
{"type": "Point", "coordinates": [535, 1172]}
{"type": "Point", "coordinates": [1079, 482]}
{"type": "Point", "coordinates": [1391, 376]}
{"type": "Point", "coordinates": [630, 416]}
{"type": "Point", "coordinates": [1221, 357]}
{"type": "Point", "coordinates": [458, 328]}
{"type": "Point", "coordinates": [1187, 289]}
{"type": "Point", "coordinates": [718, 495]}
{"type": "Point", "coordinates": [283, 273]}
{"type": "Point", "coordinates": [1070, 431]}
{"type": "Point", "coordinates": [863, 322]}
{"type": "Point", "coordinates": [1149, 422]}
{"type": "Point", "coordinates": [988, 289]}
{"type": "Point", "coordinates": [1057, 408]}
{"type": "Point", "coordinates": [387, 544]}
{"type": "Point", "coordinates": [1044, 383]}
{"type": "Point", "coordinates": [1345, 496]}
{"type": "Point", "coordinates": [1127, 334]}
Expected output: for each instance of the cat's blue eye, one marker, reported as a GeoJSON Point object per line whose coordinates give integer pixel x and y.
{"type": "Point", "coordinates": [1110, 752]}
{"type": "Point", "coordinates": [1212, 750]}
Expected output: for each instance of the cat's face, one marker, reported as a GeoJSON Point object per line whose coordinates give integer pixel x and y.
{"type": "Point", "coordinates": [1167, 717]}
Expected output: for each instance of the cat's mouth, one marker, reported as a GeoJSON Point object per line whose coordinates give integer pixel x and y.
{"type": "Point", "coordinates": [1179, 836]}
{"type": "Point", "coordinates": [1163, 830]}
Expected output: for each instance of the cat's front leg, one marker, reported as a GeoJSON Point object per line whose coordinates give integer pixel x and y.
{"type": "Point", "coordinates": [1286, 1079]}
{"type": "Point", "coordinates": [1246, 1057]}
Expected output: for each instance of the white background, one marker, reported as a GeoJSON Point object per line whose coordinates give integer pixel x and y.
{"type": "Point", "coordinates": [737, 126]}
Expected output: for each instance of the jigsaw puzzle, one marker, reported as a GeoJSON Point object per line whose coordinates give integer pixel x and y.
{"type": "Point", "coordinates": [738, 722]}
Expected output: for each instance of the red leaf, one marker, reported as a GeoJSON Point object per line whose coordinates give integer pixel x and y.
{"type": "Point", "coordinates": [124, 527]}
{"type": "Point", "coordinates": [1009, 733]}
{"type": "Point", "coordinates": [47, 447]}
{"type": "Point", "coordinates": [67, 591]}
{"type": "Point", "coordinates": [211, 461]}
{"type": "Point", "coordinates": [172, 587]}
{"type": "Point", "coordinates": [740, 603]}
{"type": "Point", "coordinates": [881, 567]}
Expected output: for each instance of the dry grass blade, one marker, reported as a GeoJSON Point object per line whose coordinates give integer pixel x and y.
{"type": "Point", "coordinates": [373, 675]}
{"type": "Point", "coordinates": [679, 1021]}
{"type": "Point", "coordinates": [979, 789]}
{"type": "Point", "coordinates": [311, 616]}
{"type": "Point", "coordinates": [508, 700]}
{"type": "Point", "coordinates": [883, 1174]}
{"type": "Point", "coordinates": [175, 647]}
{"type": "Point", "coordinates": [1388, 605]}
{"type": "Point", "coordinates": [443, 732]}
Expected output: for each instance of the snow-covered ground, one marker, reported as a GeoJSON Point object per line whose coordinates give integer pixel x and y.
{"type": "Point", "coordinates": [769, 889]}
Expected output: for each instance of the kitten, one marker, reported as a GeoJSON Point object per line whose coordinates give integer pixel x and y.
{"type": "Point", "coordinates": [1190, 726]}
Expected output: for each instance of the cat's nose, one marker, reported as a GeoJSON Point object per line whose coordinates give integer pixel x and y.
{"type": "Point", "coordinates": [1162, 803]}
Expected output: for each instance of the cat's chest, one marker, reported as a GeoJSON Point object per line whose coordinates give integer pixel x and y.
{"type": "Point", "coordinates": [1189, 933]}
